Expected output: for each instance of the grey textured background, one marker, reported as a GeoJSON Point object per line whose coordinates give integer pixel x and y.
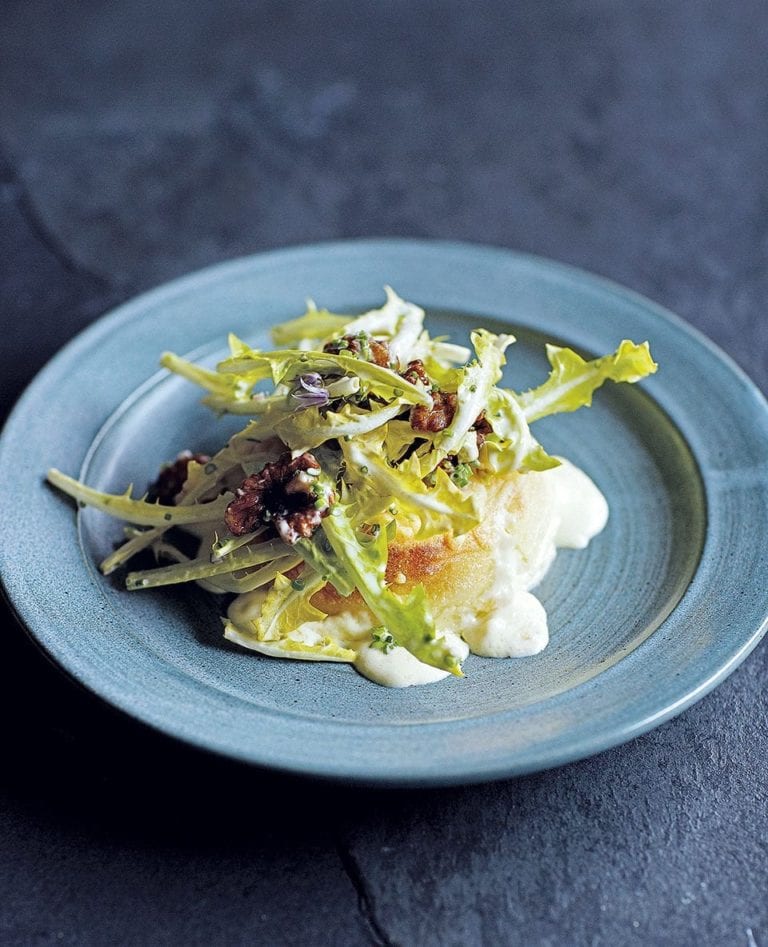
{"type": "Point", "coordinates": [141, 140]}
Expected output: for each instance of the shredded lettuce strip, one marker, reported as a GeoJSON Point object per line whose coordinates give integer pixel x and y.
{"type": "Point", "coordinates": [287, 606]}
{"type": "Point", "coordinates": [318, 555]}
{"type": "Point", "coordinates": [402, 322]}
{"type": "Point", "coordinates": [512, 447]}
{"type": "Point", "coordinates": [203, 568]}
{"type": "Point", "coordinates": [407, 618]}
{"type": "Point", "coordinates": [376, 486]}
{"type": "Point", "coordinates": [289, 646]}
{"type": "Point", "coordinates": [139, 512]}
{"type": "Point", "coordinates": [573, 380]}
{"type": "Point", "coordinates": [222, 386]}
{"type": "Point", "coordinates": [476, 382]}
{"type": "Point", "coordinates": [399, 322]}
{"type": "Point", "coordinates": [315, 324]}
{"type": "Point", "coordinates": [285, 609]}
{"type": "Point", "coordinates": [251, 366]}
{"type": "Point", "coordinates": [305, 430]}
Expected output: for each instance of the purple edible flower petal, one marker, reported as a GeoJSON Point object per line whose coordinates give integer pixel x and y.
{"type": "Point", "coordinates": [310, 392]}
{"type": "Point", "coordinates": [311, 380]}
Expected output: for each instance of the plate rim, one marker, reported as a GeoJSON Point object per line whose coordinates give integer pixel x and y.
{"type": "Point", "coordinates": [224, 270]}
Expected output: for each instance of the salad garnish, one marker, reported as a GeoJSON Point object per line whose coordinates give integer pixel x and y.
{"type": "Point", "coordinates": [361, 432]}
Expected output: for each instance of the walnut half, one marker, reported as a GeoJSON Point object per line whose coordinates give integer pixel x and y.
{"type": "Point", "coordinates": [172, 477]}
{"type": "Point", "coordinates": [286, 493]}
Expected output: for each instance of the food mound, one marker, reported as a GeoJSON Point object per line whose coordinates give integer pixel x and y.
{"type": "Point", "coordinates": [385, 504]}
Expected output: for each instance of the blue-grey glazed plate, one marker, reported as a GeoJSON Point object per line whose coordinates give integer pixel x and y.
{"type": "Point", "coordinates": [667, 601]}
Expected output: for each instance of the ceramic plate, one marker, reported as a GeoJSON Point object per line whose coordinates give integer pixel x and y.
{"type": "Point", "coordinates": [660, 608]}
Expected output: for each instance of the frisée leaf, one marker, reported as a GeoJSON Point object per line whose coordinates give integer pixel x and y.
{"type": "Point", "coordinates": [573, 380]}
{"type": "Point", "coordinates": [407, 617]}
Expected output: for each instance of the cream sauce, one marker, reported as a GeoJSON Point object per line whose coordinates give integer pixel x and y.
{"type": "Point", "coordinates": [582, 508]}
{"type": "Point", "coordinates": [514, 627]}
{"type": "Point", "coordinates": [399, 668]}
{"type": "Point", "coordinates": [511, 622]}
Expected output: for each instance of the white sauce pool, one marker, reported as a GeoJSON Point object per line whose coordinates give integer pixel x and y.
{"type": "Point", "coordinates": [515, 628]}
{"type": "Point", "coordinates": [582, 508]}
{"type": "Point", "coordinates": [512, 622]}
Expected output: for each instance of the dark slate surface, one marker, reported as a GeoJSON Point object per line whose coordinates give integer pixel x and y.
{"type": "Point", "coordinates": [139, 143]}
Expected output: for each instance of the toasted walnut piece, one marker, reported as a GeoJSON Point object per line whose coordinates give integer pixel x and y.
{"type": "Point", "coordinates": [482, 428]}
{"type": "Point", "coordinates": [439, 416]}
{"type": "Point", "coordinates": [300, 524]}
{"type": "Point", "coordinates": [172, 477]}
{"type": "Point", "coordinates": [283, 493]}
{"type": "Point", "coordinates": [295, 572]}
{"type": "Point", "coordinates": [415, 373]}
{"type": "Point", "coordinates": [379, 352]}
{"type": "Point", "coordinates": [370, 350]}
